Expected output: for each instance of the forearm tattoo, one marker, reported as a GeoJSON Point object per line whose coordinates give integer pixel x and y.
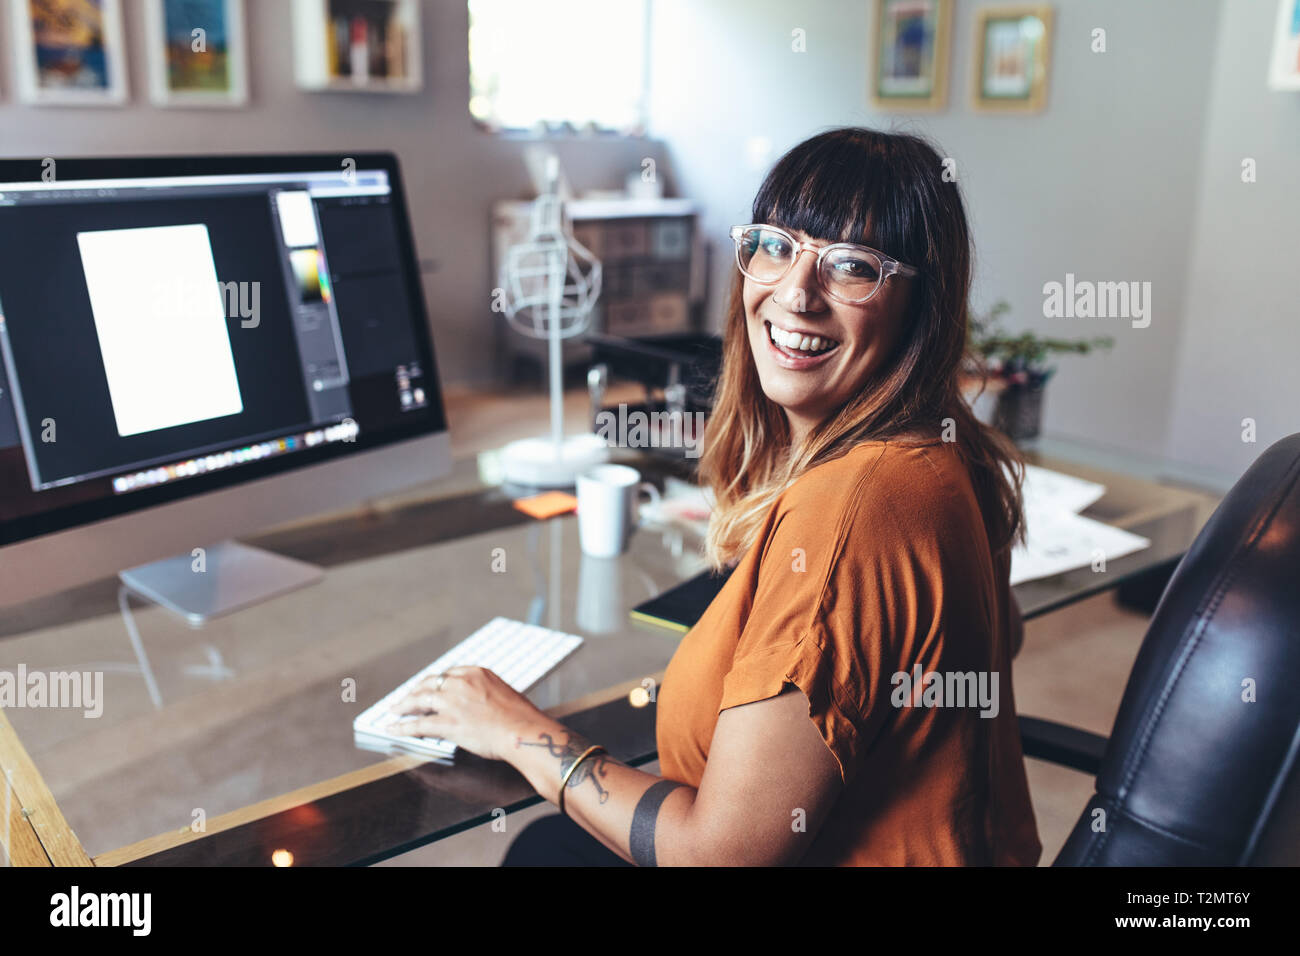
{"type": "Point", "coordinates": [641, 841]}
{"type": "Point", "coordinates": [593, 768]}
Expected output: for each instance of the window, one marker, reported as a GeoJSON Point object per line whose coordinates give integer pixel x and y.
{"type": "Point", "coordinates": [537, 65]}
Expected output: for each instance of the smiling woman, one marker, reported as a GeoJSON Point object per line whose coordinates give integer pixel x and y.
{"type": "Point", "coordinates": [870, 518]}
{"type": "Point", "coordinates": [871, 515]}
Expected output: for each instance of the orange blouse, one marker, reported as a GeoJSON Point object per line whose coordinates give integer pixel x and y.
{"type": "Point", "coordinates": [872, 588]}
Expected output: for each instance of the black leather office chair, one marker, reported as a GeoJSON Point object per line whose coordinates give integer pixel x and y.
{"type": "Point", "coordinates": [1202, 767]}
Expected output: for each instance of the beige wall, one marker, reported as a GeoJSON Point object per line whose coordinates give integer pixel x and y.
{"type": "Point", "coordinates": [1103, 183]}
{"type": "Point", "coordinates": [1239, 356]}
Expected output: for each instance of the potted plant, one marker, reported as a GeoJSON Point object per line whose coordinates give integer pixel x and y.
{"type": "Point", "coordinates": [1007, 372]}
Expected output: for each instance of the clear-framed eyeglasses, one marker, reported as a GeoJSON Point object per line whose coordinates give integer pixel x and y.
{"type": "Point", "coordinates": [848, 272]}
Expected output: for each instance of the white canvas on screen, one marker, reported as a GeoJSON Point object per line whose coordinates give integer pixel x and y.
{"type": "Point", "coordinates": [161, 320]}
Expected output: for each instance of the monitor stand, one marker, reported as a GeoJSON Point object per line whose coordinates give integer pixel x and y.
{"type": "Point", "coordinates": [232, 576]}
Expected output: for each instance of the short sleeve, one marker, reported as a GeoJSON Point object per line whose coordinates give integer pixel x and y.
{"type": "Point", "coordinates": [842, 591]}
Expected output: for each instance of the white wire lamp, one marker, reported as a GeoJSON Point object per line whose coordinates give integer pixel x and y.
{"type": "Point", "coordinates": [550, 284]}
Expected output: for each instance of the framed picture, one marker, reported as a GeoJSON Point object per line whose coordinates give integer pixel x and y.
{"type": "Point", "coordinates": [69, 52]}
{"type": "Point", "coordinates": [1284, 73]}
{"type": "Point", "coordinates": [358, 46]}
{"type": "Point", "coordinates": [1012, 57]}
{"type": "Point", "coordinates": [197, 52]}
{"type": "Point", "coordinates": [910, 50]}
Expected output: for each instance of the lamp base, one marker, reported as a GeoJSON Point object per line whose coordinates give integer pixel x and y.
{"type": "Point", "coordinates": [532, 462]}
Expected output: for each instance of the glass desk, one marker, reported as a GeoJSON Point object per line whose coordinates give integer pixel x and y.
{"type": "Point", "coordinates": [225, 744]}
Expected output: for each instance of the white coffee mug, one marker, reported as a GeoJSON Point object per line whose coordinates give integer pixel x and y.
{"type": "Point", "coordinates": [607, 507]}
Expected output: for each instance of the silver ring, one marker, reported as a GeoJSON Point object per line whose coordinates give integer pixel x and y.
{"type": "Point", "coordinates": [442, 679]}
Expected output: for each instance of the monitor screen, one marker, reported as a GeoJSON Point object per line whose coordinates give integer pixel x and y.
{"type": "Point", "coordinates": [169, 327]}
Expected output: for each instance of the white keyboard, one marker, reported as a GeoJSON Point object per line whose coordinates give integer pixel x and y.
{"type": "Point", "coordinates": [521, 655]}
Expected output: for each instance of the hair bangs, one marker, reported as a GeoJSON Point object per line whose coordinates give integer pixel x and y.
{"type": "Point", "coordinates": [839, 190]}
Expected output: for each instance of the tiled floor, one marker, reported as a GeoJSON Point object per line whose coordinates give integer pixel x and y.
{"type": "Point", "coordinates": [1072, 668]}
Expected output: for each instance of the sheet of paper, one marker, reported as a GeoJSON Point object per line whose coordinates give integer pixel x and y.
{"type": "Point", "coordinates": [1045, 489]}
{"type": "Point", "coordinates": [1059, 541]}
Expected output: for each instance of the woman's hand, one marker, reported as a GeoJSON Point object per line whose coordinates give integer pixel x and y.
{"type": "Point", "coordinates": [473, 708]}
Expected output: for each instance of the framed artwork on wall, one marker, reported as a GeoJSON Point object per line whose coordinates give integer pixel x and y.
{"type": "Point", "coordinates": [910, 50]}
{"type": "Point", "coordinates": [69, 52]}
{"type": "Point", "coordinates": [1012, 56]}
{"type": "Point", "coordinates": [198, 52]}
{"type": "Point", "coordinates": [1284, 70]}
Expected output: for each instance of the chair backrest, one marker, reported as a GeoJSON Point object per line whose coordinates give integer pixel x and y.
{"type": "Point", "coordinates": [1201, 768]}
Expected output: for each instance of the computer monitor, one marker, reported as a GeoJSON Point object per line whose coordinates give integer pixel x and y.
{"type": "Point", "coordinates": [197, 348]}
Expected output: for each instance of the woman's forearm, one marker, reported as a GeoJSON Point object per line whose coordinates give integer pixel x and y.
{"type": "Point", "coordinates": [629, 811]}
